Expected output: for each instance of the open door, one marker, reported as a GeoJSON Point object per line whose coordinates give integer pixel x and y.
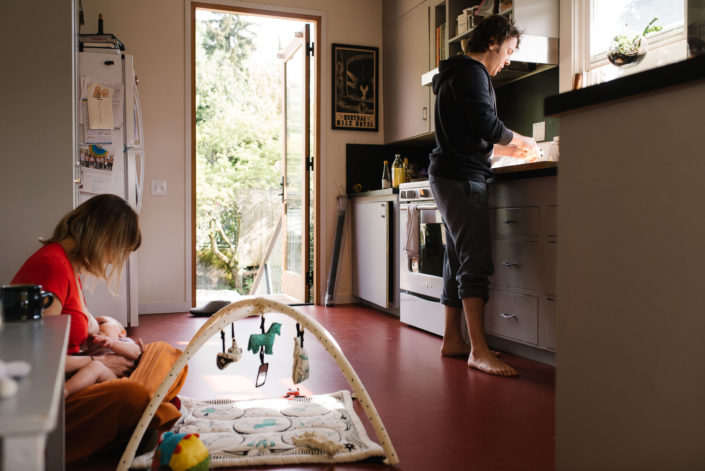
{"type": "Point", "coordinates": [296, 154]}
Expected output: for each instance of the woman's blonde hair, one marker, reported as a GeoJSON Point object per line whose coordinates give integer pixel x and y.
{"type": "Point", "coordinates": [105, 230]}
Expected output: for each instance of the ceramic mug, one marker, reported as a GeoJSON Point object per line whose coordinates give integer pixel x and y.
{"type": "Point", "coordinates": [24, 302]}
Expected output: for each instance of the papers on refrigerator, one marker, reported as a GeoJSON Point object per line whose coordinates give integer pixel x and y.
{"type": "Point", "coordinates": [100, 109]}
{"type": "Point", "coordinates": [96, 169]}
{"type": "Point", "coordinates": [99, 116]}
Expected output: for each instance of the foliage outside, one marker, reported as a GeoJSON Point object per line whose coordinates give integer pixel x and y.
{"type": "Point", "coordinates": [238, 144]}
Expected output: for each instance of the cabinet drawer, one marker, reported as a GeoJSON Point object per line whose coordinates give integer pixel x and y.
{"type": "Point", "coordinates": [512, 316]}
{"type": "Point", "coordinates": [517, 264]}
{"type": "Point", "coordinates": [515, 221]}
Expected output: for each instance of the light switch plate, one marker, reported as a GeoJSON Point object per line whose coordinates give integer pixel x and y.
{"type": "Point", "coordinates": [539, 132]}
{"type": "Point", "coordinates": [158, 187]}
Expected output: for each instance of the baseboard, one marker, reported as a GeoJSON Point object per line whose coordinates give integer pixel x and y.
{"type": "Point", "coordinates": [519, 349]}
{"type": "Point", "coordinates": [163, 308]}
{"type": "Point", "coordinates": [345, 298]}
{"type": "Point", "coordinates": [389, 310]}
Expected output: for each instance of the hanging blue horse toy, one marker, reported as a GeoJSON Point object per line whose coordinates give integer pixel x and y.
{"type": "Point", "coordinates": [265, 339]}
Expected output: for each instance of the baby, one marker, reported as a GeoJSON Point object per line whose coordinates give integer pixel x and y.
{"type": "Point", "coordinates": [111, 338]}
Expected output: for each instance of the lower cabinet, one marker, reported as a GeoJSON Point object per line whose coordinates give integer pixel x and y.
{"type": "Point", "coordinates": [374, 266]}
{"type": "Point", "coordinates": [523, 289]}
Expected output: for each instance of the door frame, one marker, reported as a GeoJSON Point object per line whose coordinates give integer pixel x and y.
{"type": "Point", "coordinates": [190, 131]}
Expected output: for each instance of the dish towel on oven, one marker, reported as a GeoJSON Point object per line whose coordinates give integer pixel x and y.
{"type": "Point", "coordinates": [412, 232]}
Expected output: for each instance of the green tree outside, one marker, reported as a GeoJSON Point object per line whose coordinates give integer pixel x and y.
{"type": "Point", "coordinates": [238, 148]}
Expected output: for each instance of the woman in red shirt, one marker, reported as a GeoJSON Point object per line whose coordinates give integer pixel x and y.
{"type": "Point", "coordinates": [97, 238]}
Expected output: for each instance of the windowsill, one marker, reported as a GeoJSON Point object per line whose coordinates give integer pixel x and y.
{"type": "Point", "coordinates": [631, 85]}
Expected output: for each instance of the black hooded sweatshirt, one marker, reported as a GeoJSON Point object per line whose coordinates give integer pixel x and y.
{"type": "Point", "coordinates": [467, 126]}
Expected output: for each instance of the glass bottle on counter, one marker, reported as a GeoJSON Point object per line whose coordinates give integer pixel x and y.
{"type": "Point", "coordinates": [407, 170]}
{"type": "Point", "coordinates": [397, 171]}
{"type": "Point", "coordinates": [386, 178]}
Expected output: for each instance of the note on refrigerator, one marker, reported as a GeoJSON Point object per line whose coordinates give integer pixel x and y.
{"type": "Point", "coordinates": [100, 107]}
{"type": "Point", "coordinates": [117, 97]}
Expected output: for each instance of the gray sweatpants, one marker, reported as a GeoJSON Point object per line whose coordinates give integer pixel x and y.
{"type": "Point", "coordinates": [467, 264]}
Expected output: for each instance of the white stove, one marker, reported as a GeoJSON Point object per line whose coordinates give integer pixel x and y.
{"type": "Point", "coordinates": [421, 276]}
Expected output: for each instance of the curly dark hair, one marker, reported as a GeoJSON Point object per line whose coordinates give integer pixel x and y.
{"type": "Point", "coordinates": [495, 28]}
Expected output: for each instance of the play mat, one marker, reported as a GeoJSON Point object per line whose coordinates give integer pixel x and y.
{"type": "Point", "coordinates": [266, 431]}
{"type": "Point", "coordinates": [316, 429]}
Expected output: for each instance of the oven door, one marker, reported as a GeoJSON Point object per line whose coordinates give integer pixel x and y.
{"type": "Point", "coordinates": [421, 279]}
{"type": "Point", "coordinates": [422, 275]}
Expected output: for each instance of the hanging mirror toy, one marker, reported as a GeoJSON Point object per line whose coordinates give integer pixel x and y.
{"type": "Point", "coordinates": [263, 342]}
{"type": "Point", "coordinates": [233, 354]}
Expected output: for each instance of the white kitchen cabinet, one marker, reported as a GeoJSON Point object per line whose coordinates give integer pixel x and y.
{"type": "Point", "coordinates": [373, 235]}
{"type": "Point", "coordinates": [522, 289]}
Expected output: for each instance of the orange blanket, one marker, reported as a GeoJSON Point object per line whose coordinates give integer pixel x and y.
{"type": "Point", "coordinates": [105, 414]}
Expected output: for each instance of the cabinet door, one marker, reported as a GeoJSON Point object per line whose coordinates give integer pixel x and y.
{"type": "Point", "coordinates": [371, 221]}
{"type": "Point", "coordinates": [406, 57]}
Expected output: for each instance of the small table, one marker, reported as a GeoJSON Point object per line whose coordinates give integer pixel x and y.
{"type": "Point", "coordinates": [32, 422]}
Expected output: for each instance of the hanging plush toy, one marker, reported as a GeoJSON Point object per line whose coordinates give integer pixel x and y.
{"type": "Point", "coordinates": [180, 452]}
{"type": "Point", "coordinates": [299, 372]}
{"type": "Point", "coordinates": [233, 354]}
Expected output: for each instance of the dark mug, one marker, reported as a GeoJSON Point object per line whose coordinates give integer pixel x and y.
{"type": "Point", "coordinates": [24, 302]}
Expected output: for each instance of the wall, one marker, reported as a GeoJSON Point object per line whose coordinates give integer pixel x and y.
{"type": "Point", "coordinates": [155, 33]}
{"type": "Point", "coordinates": [520, 103]}
{"type": "Point", "coordinates": [36, 125]}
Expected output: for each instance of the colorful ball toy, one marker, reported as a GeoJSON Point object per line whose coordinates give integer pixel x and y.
{"type": "Point", "coordinates": [180, 452]}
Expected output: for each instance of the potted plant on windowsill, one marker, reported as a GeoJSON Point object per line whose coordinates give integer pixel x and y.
{"type": "Point", "coordinates": [630, 48]}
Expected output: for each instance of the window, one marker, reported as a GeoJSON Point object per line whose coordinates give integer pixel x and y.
{"type": "Point", "coordinates": [607, 18]}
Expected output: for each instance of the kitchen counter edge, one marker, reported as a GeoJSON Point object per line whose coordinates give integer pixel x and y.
{"type": "Point", "coordinates": [370, 193]}
{"type": "Point", "coordinates": [669, 75]}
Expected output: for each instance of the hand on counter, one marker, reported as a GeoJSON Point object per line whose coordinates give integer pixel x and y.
{"type": "Point", "coordinates": [527, 147]}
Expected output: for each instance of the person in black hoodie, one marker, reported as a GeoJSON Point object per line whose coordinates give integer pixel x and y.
{"type": "Point", "coordinates": [468, 132]}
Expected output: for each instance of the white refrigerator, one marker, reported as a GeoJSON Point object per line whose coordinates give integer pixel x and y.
{"type": "Point", "coordinates": [110, 160]}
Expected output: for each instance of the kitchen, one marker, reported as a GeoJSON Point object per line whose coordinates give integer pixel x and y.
{"type": "Point", "coordinates": [159, 39]}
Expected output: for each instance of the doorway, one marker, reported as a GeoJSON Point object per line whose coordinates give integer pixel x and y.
{"type": "Point", "coordinates": [255, 141]}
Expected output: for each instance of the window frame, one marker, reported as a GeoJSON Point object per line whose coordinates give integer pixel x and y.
{"type": "Point", "coordinates": [591, 67]}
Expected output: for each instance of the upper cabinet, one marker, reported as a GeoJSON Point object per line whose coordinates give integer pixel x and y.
{"type": "Point", "coordinates": [406, 56]}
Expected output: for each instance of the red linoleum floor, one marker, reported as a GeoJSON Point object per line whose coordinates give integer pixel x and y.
{"type": "Point", "coordinates": [439, 414]}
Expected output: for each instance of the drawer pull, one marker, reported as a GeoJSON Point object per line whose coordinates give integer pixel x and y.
{"type": "Point", "coordinates": [509, 221]}
{"type": "Point", "coordinates": [510, 264]}
{"type": "Point", "coordinates": [507, 316]}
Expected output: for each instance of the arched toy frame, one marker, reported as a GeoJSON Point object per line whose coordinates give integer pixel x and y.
{"type": "Point", "coordinates": [246, 308]}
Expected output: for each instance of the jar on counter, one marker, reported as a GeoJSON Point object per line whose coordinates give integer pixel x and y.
{"type": "Point", "coordinates": [554, 151]}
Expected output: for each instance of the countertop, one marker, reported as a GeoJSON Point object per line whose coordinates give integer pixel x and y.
{"type": "Point", "coordinates": [528, 170]}
{"type": "Point", "coordinates": [635, 84]}
{"type": "Point", "coordinates": [384, 192]}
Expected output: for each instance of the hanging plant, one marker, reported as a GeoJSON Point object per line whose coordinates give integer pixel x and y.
{"type": "Point", "coordinates": [630, 48]}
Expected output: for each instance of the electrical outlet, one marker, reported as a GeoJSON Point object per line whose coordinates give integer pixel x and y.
{"type": "Point", "coordinates": [539, 133]}
{"type": "Point", "coordinates": [158, 187]}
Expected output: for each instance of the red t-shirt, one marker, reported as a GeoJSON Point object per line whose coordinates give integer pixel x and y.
{"type": "Point", "coordinates": [50, 267]}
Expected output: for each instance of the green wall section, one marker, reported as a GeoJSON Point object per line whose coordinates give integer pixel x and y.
{"type": "Point", "coordinates": [520, 103]}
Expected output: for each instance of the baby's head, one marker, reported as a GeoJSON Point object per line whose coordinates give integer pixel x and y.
{"type": "Point", "coordinates": [110, 327]}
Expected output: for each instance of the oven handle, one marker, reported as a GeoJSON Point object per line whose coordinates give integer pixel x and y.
{"type": "Point", "coordinates": [420, 207]}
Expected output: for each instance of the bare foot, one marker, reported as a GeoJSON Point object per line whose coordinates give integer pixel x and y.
{"type": "Point", "coordinates": [489, 363]}
{"type": "Point", "coordinates": [460, 350]}
{"type": "Point", "coordinates": [455, 349]}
